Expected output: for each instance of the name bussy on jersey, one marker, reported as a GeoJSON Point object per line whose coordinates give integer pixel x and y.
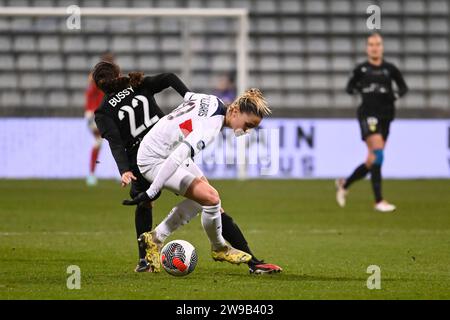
{"type": "Point", "coordinates": [120, 96]}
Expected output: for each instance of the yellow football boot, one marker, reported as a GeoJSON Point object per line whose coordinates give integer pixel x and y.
{"type": "Point", "coordinates": [231, 255]}
{"type": "Point", "coordinates": [152, 248]}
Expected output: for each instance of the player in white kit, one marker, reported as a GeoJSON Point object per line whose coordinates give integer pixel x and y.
{"type": "Point", "coordinates": [165, 159]}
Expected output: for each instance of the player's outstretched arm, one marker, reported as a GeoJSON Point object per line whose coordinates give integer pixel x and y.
{"type": "Point", "coordinates": [400, 81]}
{"type": "Point", "coordinates": [163, 81]}
{"type": "Point", "coordinates": [353, 84]}
{"type": "Point", "coordinates": [110, 132]}
{"type": "Point", "coordinates": [168, 168]}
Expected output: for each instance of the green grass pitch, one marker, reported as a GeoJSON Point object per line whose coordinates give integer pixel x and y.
{"type": "Point", "coordinates": [45, 226]}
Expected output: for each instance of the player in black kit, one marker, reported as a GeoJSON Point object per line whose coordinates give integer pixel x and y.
{"type": "Point", "coordinates": [373, 80]}
{"type": "Point", "coordinates": [128, 111]}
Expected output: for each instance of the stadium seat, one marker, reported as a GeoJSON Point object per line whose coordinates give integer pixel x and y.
{"type": "Point", "coordinates": [438, 44]}
{"type": "Point", "coordinates": [414, 25]}
{"type": "Point", "coordinates": [316, 25]}
{"type": "Point", "coordinates": [95, 25]}
{"type": "Point", "coordinates": [391, 7]}
{"type": "Point", "coordinates": [289, 6]}
{"type": "Point", "coordinates": [293, 63]}
{"type": "Point", "coordinates": [341, 44]}
{"type": "Point", "coordinates": [122, 44]}
{"type": "Point", "coordinates": [293, 45]}
{"type": "Point", "coordinates": [294, 81]}
{"type": "Point", "coordinates": [54, 80]}
{"type": "Point", "coordinates": [222, 62]}
{"type": "Point", "coordinates": [30, 81]}
{"type": "Point", "coordinates": [415, 45]}
{"type": "Point", "coordinates": [120, 25]}
{"type": "Point", "coordinates": [77, 62]}
{"type": "Point", "coordinates": [73, 44]}
{"type": "Point", "coordinates": [11, 99]}
{"type": "Point", "coordinates": [52, 62]}
{"type": "Point", "coordinates": [24, 43]}
{"type": "Point", "coordinates": [291, 26]}
{"type": "Point", "coordinates": [318, 82]}
{"type": "Point", "coordinates": [20, 24]}
{"type": "Point", "coordinates": [6, 62]}
{"type": "Point", "coordinates": [340, 25]}
{"type": "Point", "coordinates": [343, 100]}
{"type": "Point", "coordinates": [34, 99]}
{"type": "Point", "coordinates": [147, 62]}
{"type": "Point", "coordinates": [126, 62]}
{"type": "Point", "coordinates": [316, 6]}
{"type": "Point", "coordinates": [391, 25]}
{"type": "Point", "coordinates": [317, 63]}
{"type": "Point", "coordinates": [440, 26]}
{"type": "Point", "coordinates": [340, 6]}
{"type": "Point", "coordinates": [414, 64]}
{"type": "Point", "coordinates": [266, 6]}
{"type": "Point", "coordinates": [295, 100]}
{"type": "Point", "coordinates": [438, 6]}
{"type": "Point", "coordinates": [77, 99]}
{"type": "Point", "coordinates": [8, 80]}
{"type": "Point", "coordinates": [272, 82]}
{"type": "Point", "coordinates": [438, 100]}
{"type": "Point", "coordinates": [270, 63]}
{"type": "Point", "coordinates": [58, 99]}
{"type": "Point", "coordinates": [78, 81]}
{"type": "Point", "coordinates": [49, 43]}
{"type": "Point", "coordinates": [416, 82]}
{"type": "Point", "coordinates": [415, 7]}
{"type": "Point", "coordinates": [438, 82]}
{"type": "Point", "coordinates": [171, 43]}
{"type": "Point", "coordinates": [145, 43]}
{"type": "Point", "coordinates": [319, 100]}
{"type": "Point", "coordinates": [28, 62]}
{"type": "Point", "coordinates": [438, 63]}
{"type": "Point", "coordinates": [317, 45]}
{"type": "Point", "coordinates": [97, 44]}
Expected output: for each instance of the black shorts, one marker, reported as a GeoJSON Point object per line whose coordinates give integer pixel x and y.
{"type": "Point", "coordinates": [371, 125]}
{"type": "Point", "coordinates": [140, 184]}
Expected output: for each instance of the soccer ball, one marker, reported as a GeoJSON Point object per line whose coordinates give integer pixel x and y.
{"type": "Point", "coordinates": [179, 258]}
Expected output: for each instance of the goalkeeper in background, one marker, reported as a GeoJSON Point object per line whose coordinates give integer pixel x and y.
{"type": "Point", "coordinates": [373, 81]}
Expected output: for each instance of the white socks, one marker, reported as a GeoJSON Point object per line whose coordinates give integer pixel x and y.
{"type": "Point", "coordinates": [181, 214]}
{"type": "Point", "coordinates": [212, 223]}
{"type": "Point", "coordinates": [184, 212]}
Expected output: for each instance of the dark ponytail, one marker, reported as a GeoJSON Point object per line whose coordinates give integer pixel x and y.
{"type": "Point", "coordinates": [107, 77]}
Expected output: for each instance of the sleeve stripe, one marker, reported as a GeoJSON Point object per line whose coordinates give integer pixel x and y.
{"type": "Point", "coordinates": [191, 148]}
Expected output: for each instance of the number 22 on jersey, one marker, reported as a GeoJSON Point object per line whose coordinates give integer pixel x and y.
{"type": "Point", "coordinates": [134, 130]}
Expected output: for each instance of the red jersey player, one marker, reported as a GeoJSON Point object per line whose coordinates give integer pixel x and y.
{"type": "Point", "coordinates": [94, 97]}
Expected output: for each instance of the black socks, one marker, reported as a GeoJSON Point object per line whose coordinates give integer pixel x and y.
{"type": "Point", "coordinates": [143, 223]}
{"type": "Point", "coordinates": [232, 234]}
{"type": "Point", "coordinates": [375, 176]}
{"type": "Point", "coordinates": [359, 173]}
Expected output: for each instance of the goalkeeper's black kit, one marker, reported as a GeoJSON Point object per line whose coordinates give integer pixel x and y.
{"type": "Point", "coordinates": [375, 113]}
{"type": "Point", "coordinates": [374, 83]}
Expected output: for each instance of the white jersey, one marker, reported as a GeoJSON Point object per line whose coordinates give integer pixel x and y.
{"type": "Point", "coordinates": [196, 122]}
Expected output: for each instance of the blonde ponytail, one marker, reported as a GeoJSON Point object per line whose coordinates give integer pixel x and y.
{"type": "Point", "coordinates": [253, 101]}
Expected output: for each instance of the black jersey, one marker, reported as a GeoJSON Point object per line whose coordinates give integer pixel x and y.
{"type": "Point", "coordinates": [374, 83]}
{"type": "Point", "coordinates": [125, 117]}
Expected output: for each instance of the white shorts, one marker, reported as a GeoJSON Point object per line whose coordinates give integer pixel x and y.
{"type": "Point", "coordinates": [179, 182]}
